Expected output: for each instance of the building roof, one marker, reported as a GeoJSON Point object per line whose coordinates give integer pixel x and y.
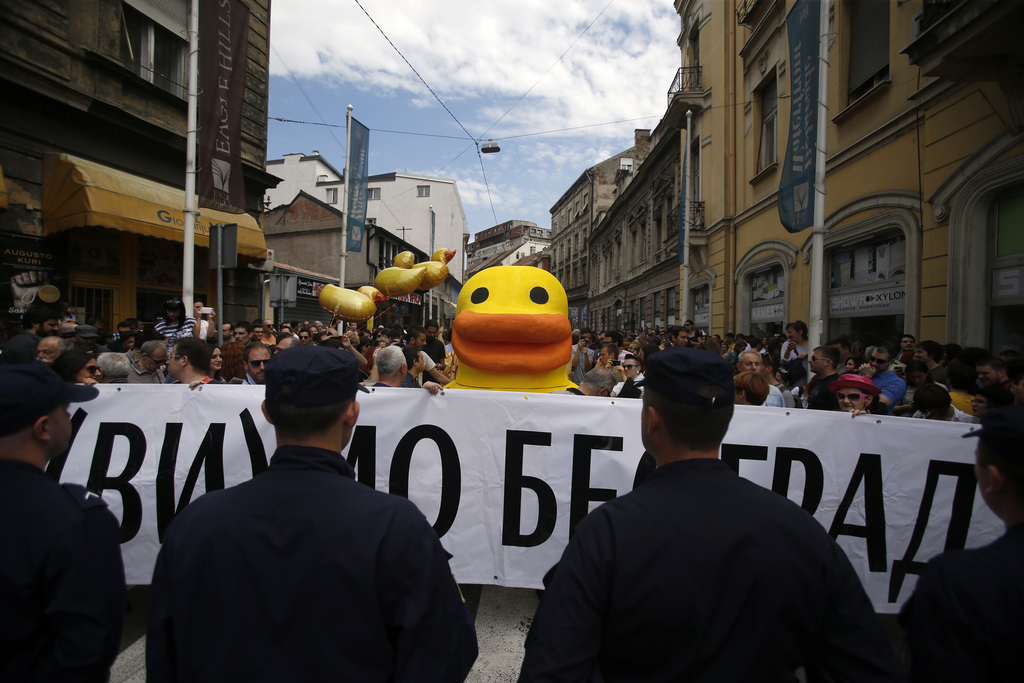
{"type": "Point", "coordinates": [303, 271]}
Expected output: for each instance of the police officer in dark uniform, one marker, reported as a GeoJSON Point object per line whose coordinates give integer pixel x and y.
{"type": "Point", "coordinates": [697, 574]}
{"type": "Point", "coordinates": [965, 620]}
{"type": "Point", "coordinates": [62, 590]}
{"type": "Point", "coordinates": [302, 573]}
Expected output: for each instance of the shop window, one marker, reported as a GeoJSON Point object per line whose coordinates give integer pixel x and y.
{"type": "Point", "coordinates": [867, 293]}
{"type": "Point", "coordinates": [702, 307]}
{"type": "Point", "coordinates": [94, 251]}
{"type": "Point", "coordinates": [153, 44]}
{"type": "Point", "coordinates": [767, 301]}
{"type": "Point", "coordinates": [769, 150]}
{"type": "Point", "coordinates": [94, 302]}
{"type": "Point", "coordinates": [869, 46]}
{"type": "Point", "coordinates": [1006, 273]}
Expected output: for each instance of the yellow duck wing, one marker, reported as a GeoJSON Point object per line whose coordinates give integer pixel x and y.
{"type": "Point", "coordinates": [434, 273]}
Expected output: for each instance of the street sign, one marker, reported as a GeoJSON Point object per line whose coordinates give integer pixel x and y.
{"type": "Point", "coordinates": [283, 290]}
{"type": "Point", "coordinates": [224, 241]}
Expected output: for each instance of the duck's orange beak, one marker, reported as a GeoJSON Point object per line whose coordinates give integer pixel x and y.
{"type": "Point", "coordinates": [512, 342]}
{"type": "Point", "coordinates": [449, 254]}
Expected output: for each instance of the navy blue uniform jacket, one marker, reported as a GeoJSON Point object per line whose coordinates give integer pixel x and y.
{"type": "Point", "coordinates": [62, 592]}
{"type": "Point", "coordinates": [965, 620]}
{"type": "Point", "coordinates": [699, 575]}
{"type": "Point", "coordinates": [303, 574]}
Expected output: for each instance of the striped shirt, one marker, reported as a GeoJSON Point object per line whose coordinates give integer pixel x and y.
{"type": "Point", "coordinates": [173, 333]}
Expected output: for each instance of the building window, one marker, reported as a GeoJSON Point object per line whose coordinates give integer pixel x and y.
{"type": "Point", "coordinates": [152, 50]}
{"type": "Point", "coordinates": [423, 190]}
{"type": "Point", "coordinates": [332, 195]}
{"type": "Point", "coordinates": [869, 46]}
{"type": "Point", "coordinates": [769, 126]}
{"type": "Point", "coordinates": [373, 193]}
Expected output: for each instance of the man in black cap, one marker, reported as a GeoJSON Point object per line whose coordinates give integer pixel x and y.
{"type": "Point", "coordinates": [697, 574]}
{"type": "Point", "coordinates": [62, 590]}
{"type": "Point", "coordinates": [302, 573]}
{"type": "Point", "coordinates": [965, 620]}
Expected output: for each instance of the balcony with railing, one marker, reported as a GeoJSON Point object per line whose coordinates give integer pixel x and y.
{"type": "Point", "coordinates": [745, 11]}
{"type": "Point", "coordinates": [697, 216]}
{"type": "Point", "coordinates": [686, 82]}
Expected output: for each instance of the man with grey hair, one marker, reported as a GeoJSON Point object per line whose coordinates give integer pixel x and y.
{"type": "Point", "coordinates": [51, 347]}
{"type": "Point", "coordinates": [598, 382]}
{"type": "Point", "coordinates": [146, 363]}
{"type": "Point", "coordinates": [391, 366]}
{"type": "Point", "coordinates": [115, 367]}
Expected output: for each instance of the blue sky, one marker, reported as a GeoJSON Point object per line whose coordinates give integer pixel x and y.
{"type": "Point", "coordinates": [479, 57]}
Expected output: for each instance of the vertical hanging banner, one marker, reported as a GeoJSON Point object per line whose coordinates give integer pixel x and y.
{"type": "Point", "coordinates": [223, 58]}
{"type": "Point", "coordinates": [433, 229]}
{"type": "Point", "coordinates": [359, 138]}
{"type": "Point", "coordinates": [796, 188]}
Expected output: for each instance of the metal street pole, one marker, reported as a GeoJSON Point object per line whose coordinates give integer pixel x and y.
{"type": "Point", "coordinates": [220, 283]}
{"type": "Point", "coordinates": [189, 241]}
{"type": "Point", "coordinates": [344, 187]}
{"type": "Point", "coordinates": [684, 286]}
{"type": "Point", "coordinates": [815, 317]}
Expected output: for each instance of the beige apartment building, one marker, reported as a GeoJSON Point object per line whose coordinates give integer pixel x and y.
{"type": "Point", "coordinates": [924, 207]}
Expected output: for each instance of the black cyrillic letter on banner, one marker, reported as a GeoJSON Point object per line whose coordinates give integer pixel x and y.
{"type": "Point", "coordinates": [959, 520]}
{"type": "Point", "coordinates": [451, 472]}
{"type": "Point", "coordinates": [131, 503]}
{"type": "Point", "coordinates": [581, 495]}
{"type": "Point", "coordinates": [515, 482]}
{"type": "Point", "coordinates": [869, 469]}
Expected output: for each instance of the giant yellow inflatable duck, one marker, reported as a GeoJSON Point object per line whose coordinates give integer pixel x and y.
{"type": "Point", "coordinates": [512, 332]}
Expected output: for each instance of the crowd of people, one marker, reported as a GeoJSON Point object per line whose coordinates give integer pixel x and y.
{"type": "Point", "coordinates": [902, 377]}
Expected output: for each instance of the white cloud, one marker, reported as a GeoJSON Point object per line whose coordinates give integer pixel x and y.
{"type": "Point", "coordinates": [484, 56]}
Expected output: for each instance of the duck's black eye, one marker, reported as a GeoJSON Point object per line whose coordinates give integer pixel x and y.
{"type": "Point", "coordinates": [479, 295]}
{"type": "Point", "coordinates": [539, 295]}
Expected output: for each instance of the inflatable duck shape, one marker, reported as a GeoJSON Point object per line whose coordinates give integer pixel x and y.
{"type": "Point", "coordinates": [351, 306]}
{"type": "Point", "coordinates": [406, 276]}
{"type": "Point", "coordinates": [512, 331]}
{"type": "Point", "coordinates": [436, 269]}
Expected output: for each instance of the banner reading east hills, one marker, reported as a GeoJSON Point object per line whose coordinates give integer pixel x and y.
{"type": "Point", "coordinates": [223, 58]}
{"type": "Point", "coordinates": [796, 188]}
{"type": "Point", "coordinates": [357, 161]}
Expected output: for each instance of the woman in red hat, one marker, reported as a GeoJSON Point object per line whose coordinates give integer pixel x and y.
{"type": "Point", "coordinates": [856, 393]}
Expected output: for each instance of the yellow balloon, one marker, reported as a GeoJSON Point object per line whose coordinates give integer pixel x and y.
{"type": "Point", "coordinates": [404, 260]}
{"type": "Point", "coordinates": [348, 305]}
{"type": "Point", "coordinates": [434, 274]}
{"type": "Point", "coordinates": [399, 281]}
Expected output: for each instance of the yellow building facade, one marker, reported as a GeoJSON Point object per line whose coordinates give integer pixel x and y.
{"type": "Point", "coordinates": [924, 205]}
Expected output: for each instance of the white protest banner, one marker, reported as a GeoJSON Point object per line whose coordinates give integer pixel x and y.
{"type": "Point", "coordinates": [504, 476]}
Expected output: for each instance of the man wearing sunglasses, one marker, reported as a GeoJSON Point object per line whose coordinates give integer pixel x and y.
{"type": "Point", "coordinates": [877, 369]}
{"type": "Point", "coordinates": [255, 357]}
{"type": "Point", "coordinates": [824, 361]}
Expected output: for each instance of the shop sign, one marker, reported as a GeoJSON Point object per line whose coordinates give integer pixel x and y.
{"type": "Point", "coordinates": [309, 288]}
{"type": "Point", "coordinates": [889, 300]}
{"type": "Point", "coordinates": [759, 314]}
{"type": "Point", "coordinates": [412, 298]}
{"type": "Point", "coordinates": [1006, 282]}
{"type": "Point", "coordinates": [34, 273]}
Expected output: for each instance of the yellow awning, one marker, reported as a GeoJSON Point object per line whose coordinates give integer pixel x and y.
{"type": "Point", "coordinates": [4, 195]}
{"type": "Point", "coordinates": [79, 193]}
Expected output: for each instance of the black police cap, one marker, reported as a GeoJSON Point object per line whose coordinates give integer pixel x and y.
{"type": "Point", "coordinates": [679, 373]}
{"type": "Point", "coordinates": [1002, 430]}
{"type": "Point", "coordinates": [312, 376]}
{"type": "Point", "coordinates": [31, 390]}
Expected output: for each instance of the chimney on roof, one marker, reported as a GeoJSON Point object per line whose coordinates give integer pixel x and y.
{"type": "Point", "coordinates": [316, 153]}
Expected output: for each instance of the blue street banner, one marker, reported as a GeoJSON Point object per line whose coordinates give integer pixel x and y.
{"type": "Point", "coordinates": [796, 188]}
{"type": "Point", "coordinates": [682, 207]}
{"type": "Point", "coordinates": [359, 138]}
